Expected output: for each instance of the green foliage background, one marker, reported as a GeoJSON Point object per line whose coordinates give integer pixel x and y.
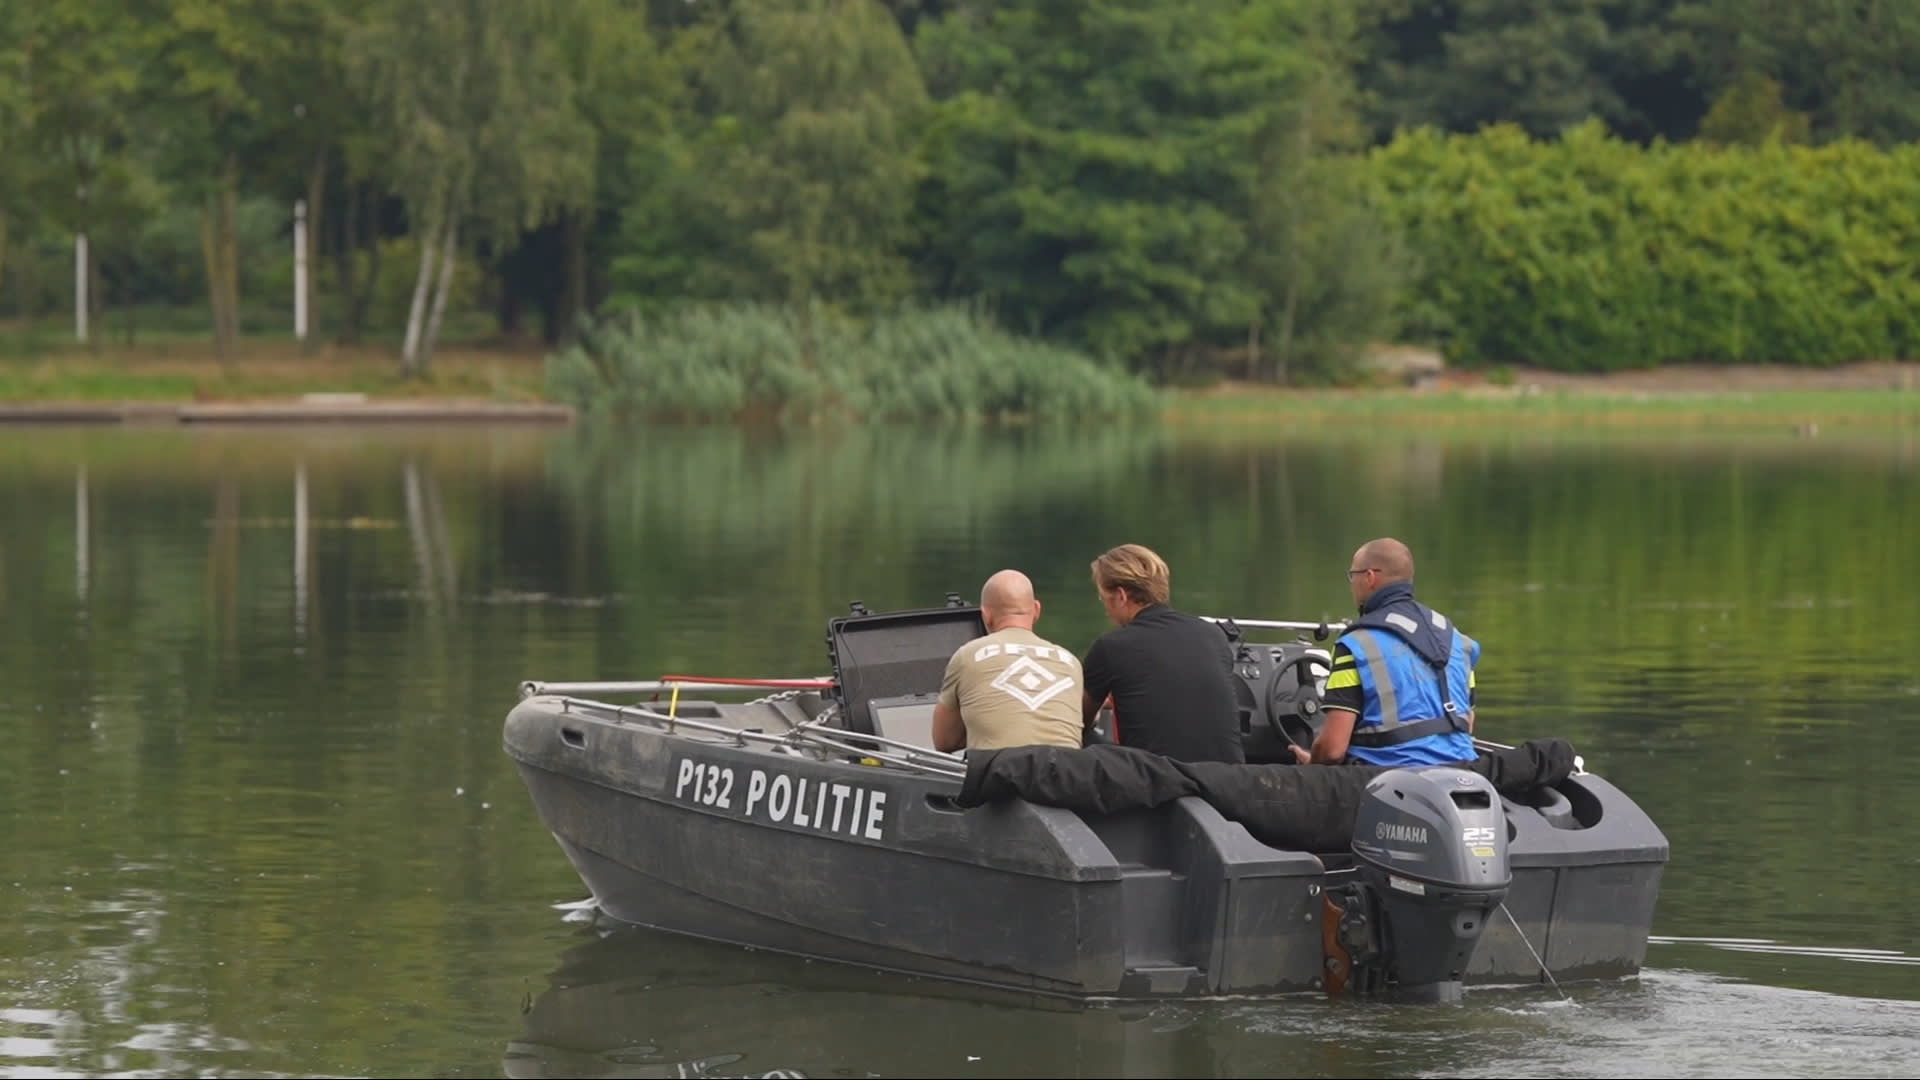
{"type": "Point", "coordinates": [1261, 189]}
{"type": "Point", "coordinates": [1588, 253]}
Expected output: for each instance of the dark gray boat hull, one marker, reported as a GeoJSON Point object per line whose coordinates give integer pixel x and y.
{"type": "Point", "coordinates": [876, 867]}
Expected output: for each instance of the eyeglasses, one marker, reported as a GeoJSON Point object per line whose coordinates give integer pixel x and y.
{"type": "Point", "coordinates": [1363, 570]}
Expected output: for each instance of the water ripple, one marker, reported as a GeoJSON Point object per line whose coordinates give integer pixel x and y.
{"type": "Point", "coordinates": [1764, 945]}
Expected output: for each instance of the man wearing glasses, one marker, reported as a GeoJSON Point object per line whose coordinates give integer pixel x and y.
{"type": "Point", "coordinates": [1401, 690]}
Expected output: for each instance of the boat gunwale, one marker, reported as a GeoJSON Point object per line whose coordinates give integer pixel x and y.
{"type": "Point", "coordinates": [813, 738]}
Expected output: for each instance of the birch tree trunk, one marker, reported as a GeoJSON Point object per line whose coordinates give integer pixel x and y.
{"type": "Point", "coordinates": [417, 312]}
{"type": "Point", "coordinates": [449, 247]}
{"type": "Point", "coordinates": [468, 88]}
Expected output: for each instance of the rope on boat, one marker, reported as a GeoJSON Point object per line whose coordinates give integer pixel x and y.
{"type": "Point", "coordinates": [1544, 969]}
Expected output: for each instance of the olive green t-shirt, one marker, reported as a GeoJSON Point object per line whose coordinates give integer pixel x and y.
{"type": "Point", "coordinates": [1014, 688]}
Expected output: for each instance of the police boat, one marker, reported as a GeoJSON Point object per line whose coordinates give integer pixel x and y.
{"type": "Point", "coordinates": [815, 818]}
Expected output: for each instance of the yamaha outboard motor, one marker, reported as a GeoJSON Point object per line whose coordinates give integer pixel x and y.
{"type": "Point", "coordinates": [1430, 853]}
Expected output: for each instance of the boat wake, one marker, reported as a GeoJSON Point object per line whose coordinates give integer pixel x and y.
{"type": "Point", "coordinates": [580, 911]}
{"type": "Point", "coordinates": [1767, 945]}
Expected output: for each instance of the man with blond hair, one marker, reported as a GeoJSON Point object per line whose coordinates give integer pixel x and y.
{"type": "Point", "coordinates": [1401, 689]}
{"type": "Point", "coordinates": [1011, 687]}
{"type": "Point", "coordinates": [1168, 673]}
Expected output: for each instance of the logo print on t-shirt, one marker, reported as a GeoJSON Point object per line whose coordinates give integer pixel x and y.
{"type": "Point", "coordinates": [1030, 684]}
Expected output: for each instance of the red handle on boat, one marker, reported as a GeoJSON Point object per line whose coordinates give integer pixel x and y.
{"type": "Point", "coordinates": [795, 684]}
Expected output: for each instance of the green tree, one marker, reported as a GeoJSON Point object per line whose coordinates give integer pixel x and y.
{"type": "Point", "coordinates": [627, 88]}
{"type": "Point", "coordinates": [316, 125]}
{"type": "Point", "coordinates": [1841, 61]}
{"type": "Point", "coordinates": [1090, 158]}
{"type": "Point", "coordinates": [353, 170]}
{"type": "Point", "coordinates": [808, 158]}
{"type": "Point", "coordinates": [1137, 177]}
{"type": "Point", "coordinates": [229, 87]}
{"type": "Point", "coordinates": [483, 127]}
{"type": "Point", "coordinates": [1326, 270]}
{"type": "Point", "coordinates": [1544, 65]}
{"type": "Point", "coordinates": [1590, 253]}
{"type": "Point", "coordinates": [1751, 111]}
{"type": "Point", "coordinates": [85, 130]}
{"type": "Point", "coordinates": [16, 122]}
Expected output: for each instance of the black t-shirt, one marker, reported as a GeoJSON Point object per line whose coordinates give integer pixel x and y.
{"type": "Point", "coordinates": [1171, 677]}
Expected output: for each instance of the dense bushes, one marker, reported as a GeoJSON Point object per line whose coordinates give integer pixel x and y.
{"type": "Point", "coordinates": [1583, 253]}
{"type": "Point", "coordinates": [714, 362]}
{"type": "Point", "coordinates": [1588, 253]}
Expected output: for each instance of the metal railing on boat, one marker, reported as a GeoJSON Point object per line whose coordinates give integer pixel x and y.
{"type": "Point", "coordinates": [905, 755]}
{"type": "Point", "coordinates": [532, 687]}
{"type": "Point", "coordinates": [814, 732]}
{"type": "Point", "coordinates": [1320, 629]}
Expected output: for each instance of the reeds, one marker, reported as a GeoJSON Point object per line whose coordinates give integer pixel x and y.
{"type": "Point", "coordinates": [727, 362]}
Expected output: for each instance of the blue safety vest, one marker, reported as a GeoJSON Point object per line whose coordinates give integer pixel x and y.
{"type": "Point", "coordinates": [1412, 715]}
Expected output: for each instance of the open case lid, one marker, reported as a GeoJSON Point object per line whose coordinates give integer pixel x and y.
{"type": "Point", "coordinates": [895, 653]}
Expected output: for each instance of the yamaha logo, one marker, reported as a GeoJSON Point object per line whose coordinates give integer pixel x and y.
{"type": "Point", "coordinates": [1412, 834]}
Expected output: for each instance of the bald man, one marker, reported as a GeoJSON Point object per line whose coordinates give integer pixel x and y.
{"type": "Point", "coordinates": [1011, 687]}
{"type": "Point", "coordinates": [1401, 690]}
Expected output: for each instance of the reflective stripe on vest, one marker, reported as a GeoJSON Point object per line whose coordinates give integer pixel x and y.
{"type": "Point", "coordinates": [1390, 731]}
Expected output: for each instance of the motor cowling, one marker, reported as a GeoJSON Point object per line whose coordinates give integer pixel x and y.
{"type": "Point", "coordinates": [1430, 854]}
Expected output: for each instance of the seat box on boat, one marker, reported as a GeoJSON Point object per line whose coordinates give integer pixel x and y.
{"type": "Point", "coordinates": [887, 666]}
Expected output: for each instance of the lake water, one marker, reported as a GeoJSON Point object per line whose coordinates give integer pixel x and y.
{"type": "Point", "coordinates": [258, 821]}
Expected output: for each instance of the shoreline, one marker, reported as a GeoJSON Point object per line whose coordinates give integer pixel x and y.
{"type": "Point", "coordinates": [479, 387]}
{"type": "Point", "coordinates": [1806, 411]}
{"type": "Point", "coordinates": [299, 410]}
{"type": "Point", "coordinates": [1875, 395]}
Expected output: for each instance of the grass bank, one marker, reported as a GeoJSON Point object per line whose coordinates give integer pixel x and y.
{"type": "Point", "coordinates": [1596, 403]}
{"type": "Point", "coordinates": [945, 376]}
{"type": "Point", "coordinates": [190, 371]}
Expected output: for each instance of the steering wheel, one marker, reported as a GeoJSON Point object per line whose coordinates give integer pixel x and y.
{"type": "Point", "coordinates": [1304, 701]}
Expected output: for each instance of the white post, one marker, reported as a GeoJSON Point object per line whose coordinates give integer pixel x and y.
{"type": "Point", "coordinates": [300, 269]}
{"type": "Point", "coordinates": [80, 286]}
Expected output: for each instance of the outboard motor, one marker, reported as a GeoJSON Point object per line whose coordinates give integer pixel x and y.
{"type": "Point", "coordinates": [1430, 852]}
